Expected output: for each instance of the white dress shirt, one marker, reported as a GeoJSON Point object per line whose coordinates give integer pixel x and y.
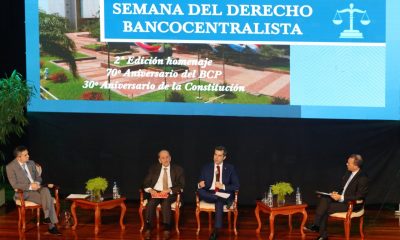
{"type": "Point", "coordinates": [159, 184]}
{"type": "Point", "coordinates": [347, 184]}
{"type": "Point", "coordinates": [215, 176]}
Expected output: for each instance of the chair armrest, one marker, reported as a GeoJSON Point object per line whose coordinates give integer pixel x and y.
{"type": "Point", "coordinates": [141, 196]}
{"type": "Point", "coordinates": [197, 199]}
{"type": "Point", "coordinates": [350, 207]}
{"type": "Point", "coordinates": [20, 196]}
{"type": "Point", "coordinates": [235, 201]}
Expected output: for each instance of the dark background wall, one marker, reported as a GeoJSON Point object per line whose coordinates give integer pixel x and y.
{"type": "Point", "coordinates": [308, 153]}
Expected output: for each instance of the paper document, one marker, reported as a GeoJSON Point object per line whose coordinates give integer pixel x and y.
{"type": "Point", "coordinates": [322, 193]}
{"type": "Point", "coordinates": [159, 195]}
{"type": "Point", "coordinates": [222, 194]}
{"type": "Point", "coordinates": [77, 196]}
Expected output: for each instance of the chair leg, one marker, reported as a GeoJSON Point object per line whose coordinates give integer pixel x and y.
{"type": "Point", "coordinates": [347, 226]}
{"type": "Point", "coordinates": [361, 227]}
{"type": "Point", "coordinates": [177, 221]}
{"type": "Point", "coordinates": [235, 215]}
{"type": "Point", "coordinates": [158, 218]}
{"type": "Point", "coordinates": [141, 218]}
{"type": "Point", "coordinates": [19, 218]}
{"type": "Point", "coordinates": [37, 217]}
{"type": "Point", "coordinates": [23, 219]}
{"type": "Point", "coordinates": [198, 221]}
{"type": "Point", "coordinates": [58, 210]}
{"type": "Point", "coordinates": [209, 221]}
{"type": "Point", "coordinates": [229, 221]}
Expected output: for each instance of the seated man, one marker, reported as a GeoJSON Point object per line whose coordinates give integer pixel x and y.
{"type": "Point", "coordinates": [354, 187]}
{"type": "Point", "coordinates": [163, 181]}
{"type": "Point", "coordinates": [218, 177]}
{"type": "Point", "coordinates": [22, 174]}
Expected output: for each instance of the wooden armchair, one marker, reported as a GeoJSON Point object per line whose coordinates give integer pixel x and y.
{"type": "Point", "coordinates": [347, 216]}
{"type": "Point", "coordinates": [23, 205]}
{"type": "Point", "coordinates": [175, 206]}
{"type": "Point", "coordinates": [202, 206]}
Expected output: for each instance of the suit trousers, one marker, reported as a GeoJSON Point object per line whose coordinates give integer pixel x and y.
{"type": "Point", "coordinates": [44, 198]}
{"type": "Point", "coordinates": [210, 197]}
{"type": "Point", "coordinates": [151, 209]}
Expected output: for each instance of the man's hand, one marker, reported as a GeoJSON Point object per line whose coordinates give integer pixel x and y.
{"type": "Point", "coordinates": [152, 191]}
{"type": "Point", "coordinates": [219, 185]}
{"type": "Point", "coordinates": [335, 196]}
{"type": "Point", "coordinates": [166, 191]}
{"type": "Point", "coordinates": [202, 184]}
{"type": "Point", "coordinates": [35, 186]}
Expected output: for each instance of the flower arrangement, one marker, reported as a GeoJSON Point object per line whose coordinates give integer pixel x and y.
{"type": "Point", "coordinates": [97, 185]}
{"type": "Point", "coordinates": [282, 189]}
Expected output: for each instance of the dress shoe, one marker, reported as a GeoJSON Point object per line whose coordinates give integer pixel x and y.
{"type": "Point", "coordinates": [147, 235]}
{"type": "Point", "coordinates": [312, 228]}
{"type": "Point", "coordinates": [166, 234]}
{"type": "Point", "coordinates": [322, 238]}
{"type": "Point", "coordinates": [54, 231]}
{"type": "Point", "coordinates": [213, 235]}
{"type": "Point", "coordinates": [47, 220]}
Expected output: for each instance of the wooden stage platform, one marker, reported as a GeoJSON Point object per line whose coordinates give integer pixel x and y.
{"type": "Point", "coordinates": [378, 225]}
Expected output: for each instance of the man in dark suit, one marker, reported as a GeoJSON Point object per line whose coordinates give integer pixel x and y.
{"type": "Point", "coordinates": [162, 182]}
{"type": "Point", "coordinates": [22, 174]}
{"type": "Point", "coordinates": [354, 186]}
{"type": "Point", "coordinates": [218, 177]}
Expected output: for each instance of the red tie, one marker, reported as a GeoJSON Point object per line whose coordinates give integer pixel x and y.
{"type": "Point", "coordinates": [217, 176]}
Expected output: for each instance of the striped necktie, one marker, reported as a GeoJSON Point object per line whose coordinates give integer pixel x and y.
{"type": "Point", "coordinates": [165, 179]}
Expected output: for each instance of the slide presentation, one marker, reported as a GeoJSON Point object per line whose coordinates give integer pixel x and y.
{"type": "Point", "coordinates": [333, 59]}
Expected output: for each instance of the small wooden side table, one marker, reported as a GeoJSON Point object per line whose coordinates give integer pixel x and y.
{"type": "Point", "coordinates": [284, 210]}
{"type": "Point", "coordinates": [97, 207]}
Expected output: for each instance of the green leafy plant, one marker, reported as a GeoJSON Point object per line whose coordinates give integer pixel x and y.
{"type": "Point", "coordinates": [282, 189]}
{"type": "Point", "coordinates": [97, 184]}
{"type": "Point", "coordinates": [14, 96]}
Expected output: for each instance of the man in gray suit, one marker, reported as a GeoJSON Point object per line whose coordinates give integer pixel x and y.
{"type": "Point", "coordinates": [22, 174]}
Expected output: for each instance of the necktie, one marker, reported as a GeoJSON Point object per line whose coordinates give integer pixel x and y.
{"type": "Point", "coordinates": [27, 173]}
{"type": "Point", "coordinates": [165, 179]}
{"type": "Point", "coordinates": [217, 176]}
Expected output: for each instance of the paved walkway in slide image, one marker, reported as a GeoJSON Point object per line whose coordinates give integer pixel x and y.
{"type": "Point", "coordinates": [256, 82]}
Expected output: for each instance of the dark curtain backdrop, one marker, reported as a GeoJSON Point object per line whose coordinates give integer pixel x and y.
{"type": "Point", "coordinates": [310, 154]}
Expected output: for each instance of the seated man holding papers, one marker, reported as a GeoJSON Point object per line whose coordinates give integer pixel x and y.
{"type": "Point", "coordinates": [354, 186]}
{"type": "Point", "coordinates": [217, 184]}
{"type": "Point", "coordinates": [163, 181]}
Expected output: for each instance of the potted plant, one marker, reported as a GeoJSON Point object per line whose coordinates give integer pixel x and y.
{"type": "Point", "coordinates": [97, 186]}
{"type": "Point", "coordinates": [14, 96]}
{"type": "Point", "coordinates": [281, 189]}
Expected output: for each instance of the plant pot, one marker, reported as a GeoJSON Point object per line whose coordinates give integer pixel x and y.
{"type": "Point", "coordinates": [280, 200]}
{"type": "Point", "coordinates": [96, 196]}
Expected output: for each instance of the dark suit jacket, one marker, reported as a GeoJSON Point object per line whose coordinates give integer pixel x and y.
{"type": "Point", "coordinates": [229, 177]}
{"type": "Point", "coordinates": [357, 188]}
{"type": "Point", "coordinates": [177, 177]}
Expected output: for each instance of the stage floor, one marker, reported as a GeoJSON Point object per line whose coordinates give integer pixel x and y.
{"type": "Point", "coordinates": [377, 225]}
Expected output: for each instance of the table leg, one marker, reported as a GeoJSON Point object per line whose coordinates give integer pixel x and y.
{"type": "Point", "coordinates": [303, 222]}
{"type": "Point", "coordinates": [121, 218]}
{"type": "Point", "coordinates": [257, 213]}
{"type": "Point", "coordinates": [290, 223]}
{"type": "Point", "coordinates": [271, 225]}
{"type": "Point", "coordinates": [73, 212]}
{"type": "Point", "coordinates": [97, 216]}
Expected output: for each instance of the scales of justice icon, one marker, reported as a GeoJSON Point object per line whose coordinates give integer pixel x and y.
{"type": "Point", "coordinates": [351, 32]}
